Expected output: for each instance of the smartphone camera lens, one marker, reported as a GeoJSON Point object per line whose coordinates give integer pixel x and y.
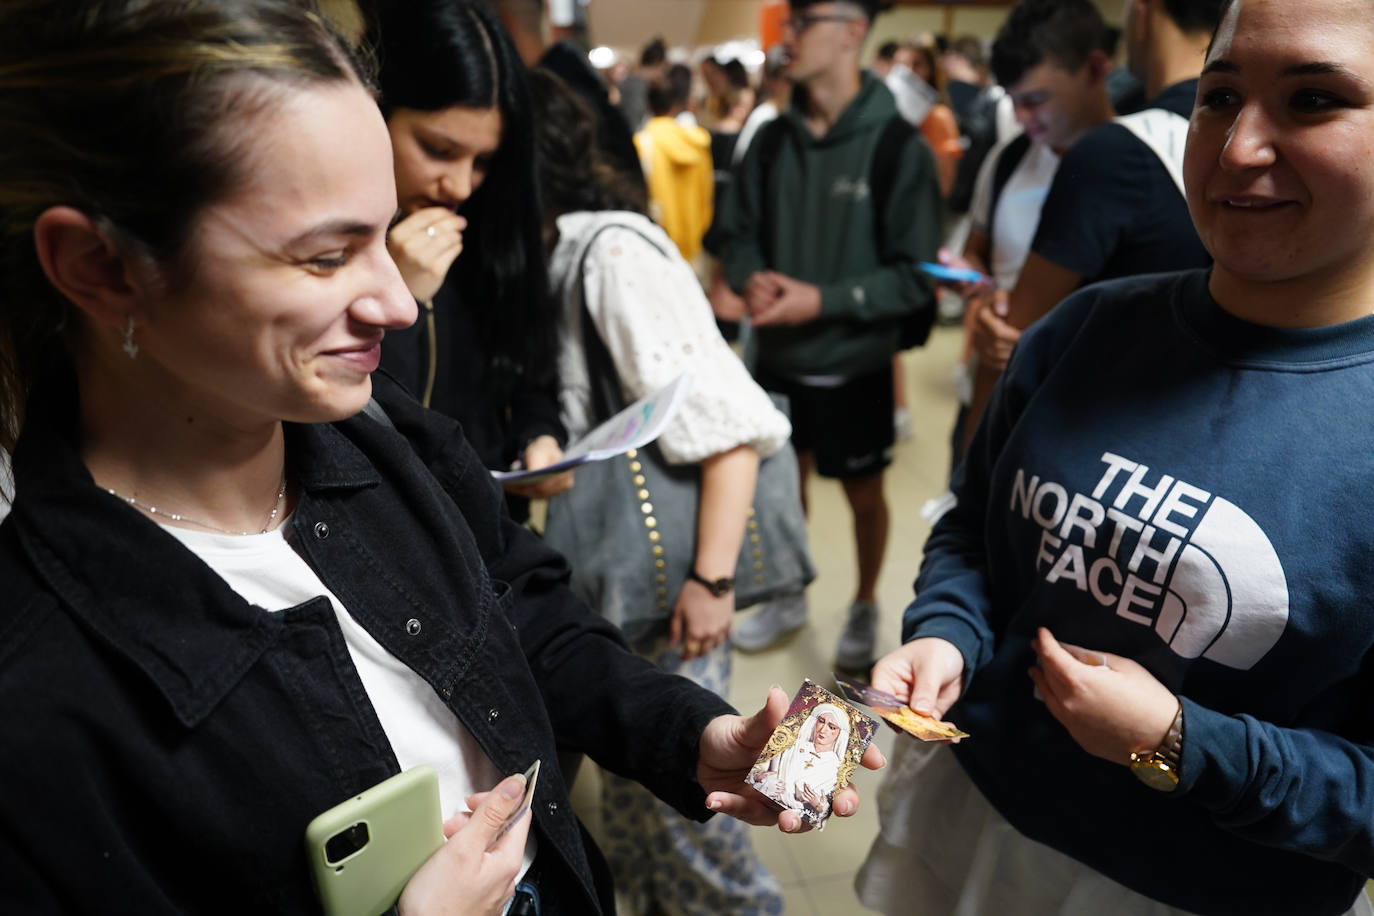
{"type": "Point", "coordinates": [346, 842]}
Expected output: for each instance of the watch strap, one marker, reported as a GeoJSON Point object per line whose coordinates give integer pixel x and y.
{"type": "Point", "coordinates": [1161, 769]}
{"type": "Point", "coordinates": [717, 587]}
{"type": "Point", "coordinates": [1171, 748]}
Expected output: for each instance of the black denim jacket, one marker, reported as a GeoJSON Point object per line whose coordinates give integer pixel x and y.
{"type": "Point", "coordinates": [166, 742]}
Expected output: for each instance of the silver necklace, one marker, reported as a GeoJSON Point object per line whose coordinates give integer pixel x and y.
{"type": "Point", "coordinates": [178, 517]}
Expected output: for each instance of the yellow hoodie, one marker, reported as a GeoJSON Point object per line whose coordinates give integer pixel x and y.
{"type": "Point", "coordinates": [677, 166]}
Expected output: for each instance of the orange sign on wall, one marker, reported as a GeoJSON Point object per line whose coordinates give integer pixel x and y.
{"type": "Point", "coordinates": [771, 16]}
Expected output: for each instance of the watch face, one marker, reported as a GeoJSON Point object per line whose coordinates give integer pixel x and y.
{"type": "Point", "coordinates": [717, 587]}
{"type": "Point", "coordinates": [1156, 774]}
{"type": "Point", "coordinates": [721, 586]}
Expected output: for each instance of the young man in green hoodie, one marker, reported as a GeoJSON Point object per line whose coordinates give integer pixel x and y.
{"type": "Point", "coordinates": [829, 274]}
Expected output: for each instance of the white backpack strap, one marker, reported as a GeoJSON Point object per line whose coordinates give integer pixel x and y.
{"type": "Point", "coordinates": [1165, 133]}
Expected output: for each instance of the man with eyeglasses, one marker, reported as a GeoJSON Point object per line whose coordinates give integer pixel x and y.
{"type": "Point", "coordinates": [834, 205]}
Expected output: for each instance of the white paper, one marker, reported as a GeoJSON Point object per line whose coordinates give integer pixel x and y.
{"type": "Point", "coordinates": [634, 427]}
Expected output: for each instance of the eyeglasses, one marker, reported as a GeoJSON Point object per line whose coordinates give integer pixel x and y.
{"type": "Point", "coordinates": [800, 22]}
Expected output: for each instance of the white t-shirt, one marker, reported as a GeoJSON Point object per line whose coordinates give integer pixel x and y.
{"type": "Point", "coordinates": [266, 571]}
{"type": "Point", "coordinates": [1018, 208]}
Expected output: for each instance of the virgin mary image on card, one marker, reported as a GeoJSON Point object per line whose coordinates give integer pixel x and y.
{"type": "Point", "coordinates": [805, 774]}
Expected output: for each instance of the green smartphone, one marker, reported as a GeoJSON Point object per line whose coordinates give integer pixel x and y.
{"type": "Point", "coordinates": [363, 851]}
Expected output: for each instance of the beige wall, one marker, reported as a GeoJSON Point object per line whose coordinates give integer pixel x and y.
{"type": "Point", "coordinates": [725, 20]}
{"type": "Point", "coordinates": [905, 22]}
{"type": "Point", "coordinates": [630, 24]}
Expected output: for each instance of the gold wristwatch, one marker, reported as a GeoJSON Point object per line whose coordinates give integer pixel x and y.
{"type": "Point", "coordinates": [1159, 768]}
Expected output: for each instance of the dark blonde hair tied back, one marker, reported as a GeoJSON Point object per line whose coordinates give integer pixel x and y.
{"type": "Point", "coordinates": [135, 112]}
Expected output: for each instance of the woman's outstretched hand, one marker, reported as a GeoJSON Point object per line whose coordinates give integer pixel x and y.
{"type": "Point", "coordinates": [728, 748]}
{"type": "Point", "coordinates": [927, 673]}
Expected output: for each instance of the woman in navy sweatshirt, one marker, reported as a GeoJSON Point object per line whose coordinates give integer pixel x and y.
{"type": "Point", "coordinates": [1150, 604]}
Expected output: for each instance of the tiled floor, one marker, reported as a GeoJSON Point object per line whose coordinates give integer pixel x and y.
{"type": "Point", "coordinates": [817, 869]}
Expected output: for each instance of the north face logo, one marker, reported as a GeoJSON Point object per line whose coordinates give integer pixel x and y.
{"type": "Point", "coordinates": [1165, 554]}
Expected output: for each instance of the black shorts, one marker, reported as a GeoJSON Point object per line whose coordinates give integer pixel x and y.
{"type": "Point", "coordinates": [846, 427]}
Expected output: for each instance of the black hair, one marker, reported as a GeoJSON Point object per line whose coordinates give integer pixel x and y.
{"type": "Point", "coordinates": [1195, 16]}
{"type": "Point", "coordinates": [735, 72]}
{"type": "Point", "coordinates": [887, 50]}
{"type": "Point", "coordinates": [573, 171]}
{"type": "Point", "coordinates": [654, 53]}
{"type": "Point", "coordinates": [671, 90]}
{"type": "Point", "coordinates": [139, 115]}
{"type": "Point", "coordinates": [1111, 40]}
{"type": "Point", "coordinates": [437, 54]}
{"type": "Point", "coordinates": [680, 83]}
{"type": "Point", "coordinates": [1063, 32]}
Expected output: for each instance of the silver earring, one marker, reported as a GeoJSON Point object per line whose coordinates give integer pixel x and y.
{"type": "Point", "coordinates": [130, 347]}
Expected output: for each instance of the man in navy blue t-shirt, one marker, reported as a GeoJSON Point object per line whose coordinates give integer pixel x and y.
{"type": "Point", "coordinates": [1116, 206]}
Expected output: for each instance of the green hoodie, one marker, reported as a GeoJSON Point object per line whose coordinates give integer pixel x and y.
{"type": "Point", "coordinates": [821, 230]}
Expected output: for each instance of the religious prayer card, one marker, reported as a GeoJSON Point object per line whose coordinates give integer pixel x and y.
{"type": "Point", "coordinates": [813, 753]}
{"type": "Point", "coordinates": [898, 713]}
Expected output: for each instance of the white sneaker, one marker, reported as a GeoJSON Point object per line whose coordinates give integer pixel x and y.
{"type": "Point", "coordinates": [854, 651]}
{"type": "Point", "coordinates": [770, 623]}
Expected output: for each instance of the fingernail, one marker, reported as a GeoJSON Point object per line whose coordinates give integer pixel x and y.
{"type": "Point", "coordinates": [843, 809]}
{"type": "Point", "coordinates": [789, 828]}
{"type": "Point", "coordinates": [513, 786]}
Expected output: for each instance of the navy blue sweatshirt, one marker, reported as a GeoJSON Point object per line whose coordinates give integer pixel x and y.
{"type": "Point", "coordinates": [1159, 479]}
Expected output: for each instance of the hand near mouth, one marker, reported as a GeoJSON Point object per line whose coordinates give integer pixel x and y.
{"type": "Point", "coordinates": [424, 246]}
